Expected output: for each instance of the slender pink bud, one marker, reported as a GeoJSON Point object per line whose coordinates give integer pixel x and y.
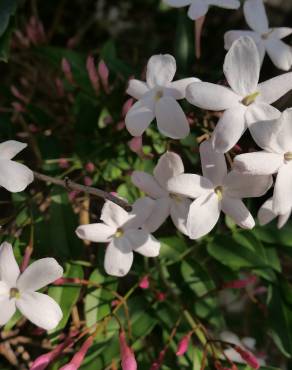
{"type": "Point", "coordinates": [248, 357]}
{"type": "Point", "coordinates": [60, 88]}
{"type": "Point", "coordinates": [127, 106]}
{"type": "Point", "coordinates": [18, 94]}
{"type": "Point", "coordinates": [88, 181]}
{"type": "Point", "coordinates": [144, 282]}
{"type": "Point", "coordinates": [66, 68]}
{"type": "Point", "coordinates": [63, 163]}
{"type": "Point", "coordinates": [90, 167]}
{"type": "Point", "coordinates": [135, 144]}
{"type": "Point", "coordinates": [19, 108]}
{"type": "Point", "coordinates": [158, 362]}
{"type": "Point", "coordinates": [104, 75]}
{"type": "Point", "coordinates": [239, 284]}
{"type": "Point", "coordinates": [92, 73]}
{"type": "Point", "coordinates": [128, 360]}
{"type": "Point", "coordinates": [63, 281]}
{"type": "Point", "coordinates": [78, 358]}
{"type": "Point", "coordinates": [183, 345]}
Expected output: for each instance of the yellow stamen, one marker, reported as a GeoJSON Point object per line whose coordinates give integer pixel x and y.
{"type": "Point", "coordinates": [176, 197]}
{"type": "Point", "coordinates": [119, 233]}
{"type": "Point", "coordinates": [219, 192]}
{"type": "Point", "coordinates": [248, 100]}
{"type": "Point", "coordinates": [14, 293]}
{"type": "Point", "coordinates": [288, 156]}
{"type": "Point", "coordinates": [159, 95]}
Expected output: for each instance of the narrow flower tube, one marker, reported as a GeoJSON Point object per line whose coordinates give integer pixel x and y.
{"type": "Point", "coordinates": [183, 345]}
{"type": "Point", "coordinates": [104, 75]}
{"type": "Point", "coordinates": [78, 358]}
{"type": "Point", "coordinates": [66, 68]}
{"type": "Point", "coordinates": [248, 357]}
{"type": "Point", "coordinates": [128, 360]}
{"type": "Point", "coordinates": [92, 73]}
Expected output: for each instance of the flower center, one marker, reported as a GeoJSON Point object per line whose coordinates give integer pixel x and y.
{"type": "Point", "coordinates": [288, 156]}
{"type": "Point", "coordinates": [159, 95]}
{"type": "Point", "coordinates": [119, 233]}
{"type": "Point", "coordinates": [176, 197]}
{"type": "Point", "coordinates": [249, 99]}
{"type": "Point", "coordinates": [266, 35]}
{"type": "Point", "coordinates": [219, 192]}
{"type": "Point", "coordinates": [14, 293]}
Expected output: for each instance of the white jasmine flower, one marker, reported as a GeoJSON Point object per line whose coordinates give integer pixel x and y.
{"type": "Point", "coordinates": [266, 214]}
{"type": "Point", "coordinates": [275, 137]}
{"type": "Point", "coordinates": [14, 176]}
{"type": "Point", "coordinates": [199, 8]}
{"type": "Point", "coordinates": [157, 99]}
{"type": "Point", "coordinates": [246, 101]}
{"type": "Point", "coordinates": [19, 290]}
{"type": "Point", "coordinates": [268, 40]}
{"type": "Point", "coordinates": [217, 191]}
{"type": "Point", "coordinates": [168, 166]}
{"type": "Point", "coordinates": [124, 233]}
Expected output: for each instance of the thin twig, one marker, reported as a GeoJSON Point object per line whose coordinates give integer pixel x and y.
{"type": "Point", "coordinates": [71, 185]}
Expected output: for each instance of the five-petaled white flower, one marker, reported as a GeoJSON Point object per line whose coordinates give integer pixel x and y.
{"type": "Point", "coordinates": [157, 99]}
{"type": "Point", "coordinates": [125, 234]}
{"type": "Point", "coordinates": [275, 137]}
{"type": "Point", "coordinates": [199, 8]}
{"type": "Point", "coordinates": [19, 290]}
{"type": "Point", "coordinates": [14, 176]}
{"type": "Point", "coordinates": [246, 101]}
{"type": "Point", "coordinates": [217, 191]}
{"type": "Point", "coordinates": [168, 166]}
{"type": "Point", "coordinates": [267, 39]}
{"type": "Point", "coordinates": [266, 214]}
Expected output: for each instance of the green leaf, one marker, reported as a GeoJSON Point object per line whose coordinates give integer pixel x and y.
{"type": "Point", "coordinates": [7, 9]}
{"type": "Point", "coordinates": [5, 44]}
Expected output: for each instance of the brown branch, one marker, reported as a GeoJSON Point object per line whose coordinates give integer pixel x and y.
{"type": "Point", "coordinates": [71, 185]}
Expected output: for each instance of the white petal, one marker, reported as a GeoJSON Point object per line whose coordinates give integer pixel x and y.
{"type": "Point", "coordinates": [160, 70]}
{"type": "Point", "coordinates": [282, 199]}
{"type": "Point", "coordinates": [283, 131]}
{"type": "Point", "coordinates": [140, 116]}
{"type": "Point", "coordinates": [10, 148]}
{"type": "Point", "coordinates": [40, 309]}
{"type": "Point", "coordinates": [97, 233]}
{"type": "Point", "coordinates": [256, 16]}
{"type": "Point", "coordinates": [9, 270]}
{"type": "Point", "coordinates": [137, 88]}
{"type": "Point", "coordinates": [198, 9]}
{"type": "Point", "coordinates": [283, 219]}
{"type": "Point", "coordinates": [266, 213]}
{"type": "Point", "coordinates": [39, 274]}
{"type": "Point", "coordinates": [158, 215]}
{"type": "Point", "coordinates": [213, 164]}
{"type": "Point", "coordinates": [177, 89]}
{"type": "Point", "coordinates": [229, 129]}
{"type": "Point", "coordinates": [113, 215]}
{"type": "Point", "coordinates": [171, 120]}
{"type": "Point", "coordinates": [210, 96]}
{"type": "Point", "coordinates": [179, 211]}
{"type": "Point", "coordinates": [14, 176]}
{"type": "Point", "coordinates": [118, 257]}
{"type": "Point", "coordinates": [178, 3]}
{"type": "Point", "coordinates": [190, 185]}
{"type": "Point", "coordinates": [258, 163]}
{"type": "Point", "coordinates": [7, 309]}
{"type": "Point", "coordinates": [168, 166]}
{"type": "Point", "coordinates": [273, 89]}
{"type": "Point", "coordinates": [260, 112]}
{"type": "Point", "coordinates": [141, 210]}
{"type": "Point", "coordinates": [281, 32]}
{"type": "Point", "coordinates": [148, 184]}
{"type": "Point", "coordinates": [203, 215]}
{"type": "Point", "coordinates": [242, 66]}
{"type": "Point", "coordinates": [231, 36]}
{"type": "Point", "coordinates": [237, 211]}
{"type": "Point", "coordinates": [238, 185]}
{"type": "Point", "coordinates": [142, 242]}
{"type": "Point", "coordinates": [227, 4]}
{"type": "Point", "coordinates": [280, 53]}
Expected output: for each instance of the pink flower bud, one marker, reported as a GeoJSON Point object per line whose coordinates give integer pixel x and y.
{"type": "Point", "coordinates": [90, 167]}
{"type": "Point", "coordinates": [121, 125]}
{"type": "Point", "coordinates": [87, 181]}
{"type": "Point", "coordinates": [239, 284]}
{"type": "Point", "coordinates": [66, 68]}
{"type": "Point", "coordinates": [19, 108]}
{"type": "Point", "coordinates": [63, 163]}
{"type": "Point", "coordinates": [93, 76]}
{"type": "Point", "coordinates": [127, 106]}
{"type": "Point", "coordinates": [128, 360]}
{"type": "Point", "coordinates": [78, 358]}
{"type": "Point", "coordinates": [144, 282]}
{"type": "Point", "coordinates": [248, 357]}
{"type": "Point", "coordinates": [18, 94]}
{"type": "Point", "coordinates": [73, 195]}
{"type": "Point", "coordinates": [60, 88]}
{"type": "Point", "coordinates": [135, 144]}
{"type": "Point", "coordinates": [158, 362]}
{"type": "Point", "coordinates": [160, 296]}
{"type": "Point", "coordinates": [104, 75]}
{"type": "Point", "coordinates": [183, 345]}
